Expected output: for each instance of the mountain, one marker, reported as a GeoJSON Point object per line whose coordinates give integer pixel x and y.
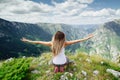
{"type": "Point", "coordinates": [72, 32]}
{"type": "Point", "coordinates": [85, 67]}
{"type": "Point", "coordinates": [106, 41]}
{"type": "Point", "coordinates": [105, 44]}
{"type": "Point", "coordinates": [12, 32]}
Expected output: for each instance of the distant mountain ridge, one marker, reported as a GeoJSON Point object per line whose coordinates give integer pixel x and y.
{"type": "Point", "coordinates": [12, 32]}
{"type": "Point", "coordinates": [107, 41]}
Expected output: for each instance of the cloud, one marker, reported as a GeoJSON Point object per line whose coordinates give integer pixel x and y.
{"type": "Point", "coordinates": [118, 12]}
{"type": "Point", "coordinates": [85, 1]}
{"type": "Point", "coordinates": [69, 11]}
{"type": "Point", "coordinates": [103, 12]}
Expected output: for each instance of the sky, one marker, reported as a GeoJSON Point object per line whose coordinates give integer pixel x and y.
{"type": "Point", "coordinates": [60, 11]}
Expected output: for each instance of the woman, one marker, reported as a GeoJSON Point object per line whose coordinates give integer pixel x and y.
{"type": "Point", "coordinates": [58, 45]}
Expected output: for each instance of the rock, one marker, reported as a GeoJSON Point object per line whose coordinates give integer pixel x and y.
{"type": "Point", "coordinates": [66, 73]}
{"type": "Point", "coordinates": [74, 69]}
{"type": "Point", "coordinates": [34, 60]}
{"type": "Point", "coordinates": [71, 74]}
{"type": "Point", "coordinates": [10, 59]}
{"type": "Point", "coordinates": [84, 73]}
{"type": "Point", "coordinates": [75, 64]}
{"type": "Point", "coordinates": [35, 71]}
{"type": "Point", "coordinates": [115, 73]}
{"type": "Point", "coordinates": [102, 62]}
{"type": "Point", "coordinates": [88, 60]}
{"type": "Point", "coordinates": [41, 63]}
{"type": "Point", "coordinates": [66, 78]}
{"type": "Point", "coordinates": [63, 77]}
{"type": "Point", "coordinates": [85, 79]}
{"type": "Point", "coordinates": [96, 72]}
{"type": "Point", "coordinates": [80, 59]}
{"type": "Point", "coordinates": [50, 62]}
{"type": "Point", "coordinates": [23, 57]}
{"type": "Point", "coordinates": [48, 71]}
{"type": "Point", "coordinates": [41, 58]}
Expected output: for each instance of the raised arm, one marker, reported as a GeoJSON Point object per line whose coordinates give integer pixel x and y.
{"type": "Point", "coordinates": [79, 40]}
{"type": "Point", "coordinates": [36, 42]}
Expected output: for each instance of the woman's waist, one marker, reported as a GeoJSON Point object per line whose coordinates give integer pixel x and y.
{"type": "Point", "coordinates": [59, 60]}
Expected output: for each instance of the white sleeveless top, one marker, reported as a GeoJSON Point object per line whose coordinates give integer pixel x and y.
{"type": "Point", "coordinates": [60, 58]}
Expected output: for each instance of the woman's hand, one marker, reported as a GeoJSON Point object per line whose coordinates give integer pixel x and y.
{"type": "Point", "coordinates": [25, 40]}
{"type": "Point", "coordinates": [90, 36]}
{"type": "Point", "coordinates": [37, 42]}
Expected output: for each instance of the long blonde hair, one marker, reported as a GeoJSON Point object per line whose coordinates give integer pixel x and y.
{"type": "Point", "coordinates": [57, 42]}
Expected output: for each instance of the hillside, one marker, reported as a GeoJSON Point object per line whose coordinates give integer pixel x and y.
{"type": "Point", "coordinates": [38, 68]}
{"type": "Point", "coordinates": [12, 32]}
{"type": "Point", "coordinates": [72, 32]}
{"type": "Point", "coordinates": [106, 41]}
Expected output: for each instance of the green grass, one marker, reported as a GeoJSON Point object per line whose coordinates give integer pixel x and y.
{"type": "Point", "coordinates": [14, 69]}
{"type": "Point", "coordinates": [74, 71]}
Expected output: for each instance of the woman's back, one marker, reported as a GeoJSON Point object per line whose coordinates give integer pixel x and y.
{"type": "Point", "coordinates": [60, 58]}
